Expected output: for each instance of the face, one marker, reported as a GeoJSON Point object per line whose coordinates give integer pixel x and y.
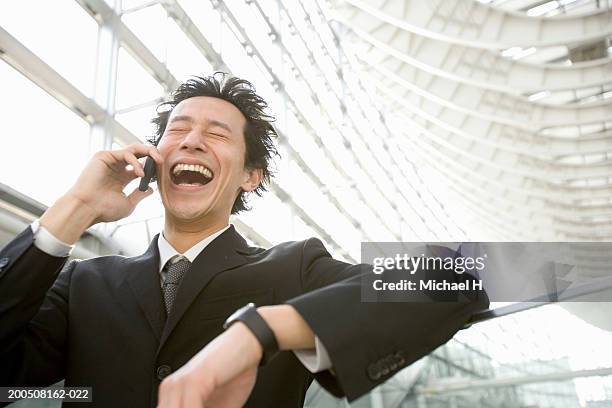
{"type": "Point", "coordinates": [204, 150]}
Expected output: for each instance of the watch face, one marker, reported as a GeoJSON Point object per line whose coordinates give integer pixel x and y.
{"type": "Point", "coordinates": [236, 314]}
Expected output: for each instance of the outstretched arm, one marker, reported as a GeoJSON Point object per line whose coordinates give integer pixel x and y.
{"type": "Point", "coordinates": [224, 372]}
{"type": "Point", "coordinates": [367, 342]}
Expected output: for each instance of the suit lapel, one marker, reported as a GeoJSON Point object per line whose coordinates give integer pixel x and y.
{"type": "Point", "coordinates": [143, 279]}
{"type": "Point", "coordinates": [224, 253]}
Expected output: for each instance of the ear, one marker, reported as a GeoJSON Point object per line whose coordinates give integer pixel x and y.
{"type": "Point", "coordinates": [252, 179]}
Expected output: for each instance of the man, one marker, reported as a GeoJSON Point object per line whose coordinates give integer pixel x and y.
{"type": "Point", "coordinates": [147, 330]}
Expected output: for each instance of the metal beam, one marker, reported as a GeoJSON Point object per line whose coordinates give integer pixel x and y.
{"type": "Point", "coordinates": [31, 66]}
{"type": "Point", "coordinates": [181, 18]}
{"type": "Point", "coordinates": [341, 98]}
{"type": "Point", "coordinates": [453, 385]}
{"type": "Point", "coordinates": [107, 16]}
{"type": "Point", "coordinates": [39, 72]}
{"type": "Point", "coordinates": [18, 210]}
{"type": "Point", "coordinates": [571, 294]}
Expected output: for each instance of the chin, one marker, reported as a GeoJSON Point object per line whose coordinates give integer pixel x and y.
{"type": "Point", "coordinates": [187, 212]}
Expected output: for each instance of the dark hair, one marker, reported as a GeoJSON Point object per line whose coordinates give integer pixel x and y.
{"type": "Point", "coordinates": [258, 131]}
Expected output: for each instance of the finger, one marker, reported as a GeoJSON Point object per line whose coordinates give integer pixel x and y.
{"type": "Point", "coordinates": [169, 394]}
{"type": "Point", "coordinates": [128, 176]}
{"type": "Point", "coordinates": [162, 395]}
{"type": "Point", "coordinates": [117, 161]}
{"type": "Point", "coordinates": [137, 196]}
{"type": "Point", "coordinates": [130, 158]}
{"type": "Point", "coordinates": [142, 150]}
{"type": "Point", "coordinates": [156, 155]}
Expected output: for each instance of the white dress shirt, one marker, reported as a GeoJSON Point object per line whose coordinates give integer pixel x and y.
{"type": "Point", "coordinates": [315, 360]}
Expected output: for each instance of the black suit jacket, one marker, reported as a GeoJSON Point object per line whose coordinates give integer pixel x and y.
{"type": "Point", "coordinates": [100, 322]}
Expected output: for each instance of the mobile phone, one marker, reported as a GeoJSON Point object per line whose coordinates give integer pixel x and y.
{"type": "Point", "coordinates": [149, 173]}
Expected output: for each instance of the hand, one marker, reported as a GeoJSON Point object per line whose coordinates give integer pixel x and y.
{"type": "Point", "coordinates": [97, 195]}
{"type": "Point", "coordinates": [221, 375]}
{"type": "Point", "coordinates": [100, 185]}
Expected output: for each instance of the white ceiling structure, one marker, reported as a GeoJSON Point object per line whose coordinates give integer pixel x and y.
{"type": "Point", "coordinates": [493, 123]}
{"type": "Point", "coordinates": [507, 105]}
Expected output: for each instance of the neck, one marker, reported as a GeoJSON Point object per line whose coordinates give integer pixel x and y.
{"type": "Point", "coordinates": [183, 235]}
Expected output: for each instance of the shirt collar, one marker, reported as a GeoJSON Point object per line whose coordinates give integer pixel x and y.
{"type": "Point", "coordinates": [167, 251]}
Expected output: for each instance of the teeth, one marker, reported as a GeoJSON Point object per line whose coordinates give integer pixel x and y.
{"type": "Point", "coordinates": [192, 167]}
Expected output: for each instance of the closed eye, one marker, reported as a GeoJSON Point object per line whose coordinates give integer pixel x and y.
{"type": "Point", "coordinates": [217, 134]}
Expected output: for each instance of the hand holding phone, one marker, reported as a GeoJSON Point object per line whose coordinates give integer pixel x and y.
{"type": "Point", "coordinates": [98, 195]}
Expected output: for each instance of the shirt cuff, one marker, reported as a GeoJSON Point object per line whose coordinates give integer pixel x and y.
{"type": "Point", "coordinates": [48, 243]}
{"type": "Point", "coordinates": [315, 360]}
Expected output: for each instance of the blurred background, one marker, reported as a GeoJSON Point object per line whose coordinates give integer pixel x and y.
{"type": "Point", "coordinates": [399, 120]}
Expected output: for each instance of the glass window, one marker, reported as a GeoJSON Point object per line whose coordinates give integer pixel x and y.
{"type": "Point", "coordinates": [70, 49]}
{"type": "Point", "coordinates": [138, 121]}
{"type": "Point", "coordinates": [134, 233]}
{"type": "Point", "coordinates": [266, 208]}
{"type": "Point", "coordinates": [321, 26]}
{"type": "Point", "coordinates": [206, 18]}
{"type": "Point", "coordinates": [301, 230]}
{"type": "Point", "coordinates": [133, 237]}
{"type": "Point", "coordinates": [235, 55]}
{"type": "Point", "coordinates": [150, 25]}
{"type": "Point", "coordinates": [184, 58]}
{"type": "Point", "coordinates": [48, 143]}
{"type": "Point", "coordinates": [135, 85]}
{"type": "Point", "coordinates": [258, 31]}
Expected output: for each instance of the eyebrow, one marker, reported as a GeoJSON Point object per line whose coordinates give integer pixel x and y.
{"type": "Point", "coordinates": [181, 118]}
{"type": "Point", "coordinates": [212, 122]}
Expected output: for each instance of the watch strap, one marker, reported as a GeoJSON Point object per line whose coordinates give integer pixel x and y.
{"type": "Point", "coordinates": [258, 326]}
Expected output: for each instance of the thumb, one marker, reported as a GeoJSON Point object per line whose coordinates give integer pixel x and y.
{"type": "Point", "coordinates": [137, 196]}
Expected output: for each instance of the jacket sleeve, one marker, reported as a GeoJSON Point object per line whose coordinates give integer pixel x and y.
{"type": "Point", "coordinates": [33, 312]}
{"type": "Point", "coordinates": [369, 342]}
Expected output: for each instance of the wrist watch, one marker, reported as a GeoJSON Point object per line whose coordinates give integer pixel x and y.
{"type": "Point", "coordinates": [257, 325]}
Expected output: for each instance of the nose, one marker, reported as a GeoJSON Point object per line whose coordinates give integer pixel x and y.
{"type": "Point", "coordinates": [193, 141]}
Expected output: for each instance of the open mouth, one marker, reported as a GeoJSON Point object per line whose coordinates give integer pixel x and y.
{"type": "Point", "coordinates": [191, 174]}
